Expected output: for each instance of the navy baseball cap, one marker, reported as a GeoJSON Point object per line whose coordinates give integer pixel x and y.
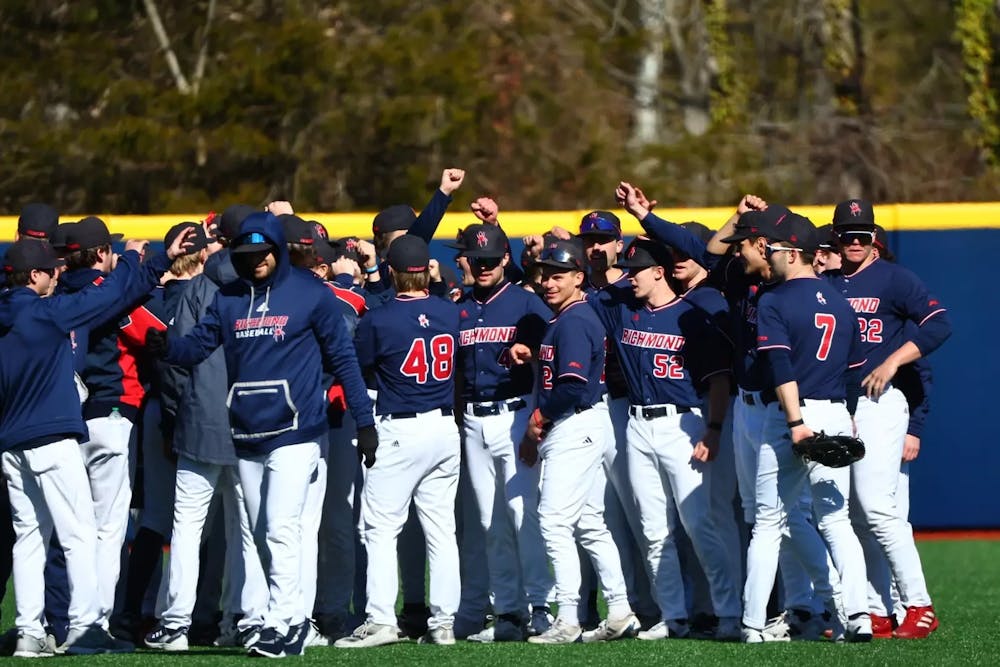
{"type": "Point", "coordinates": [409, 254]}
{"type": "Point", "coordinates": [90, 232]}
{"type": "Point", "coordinates": [394, 219]}
{"type": "Point", "coordinates": [198, 240]}
{"type": "Point", "coordinates": [297, 230]}
{"type": "Point", "coordinates": [601, 223]}
{"type": "Point", "coordinates": [25, 255]}
{"type": "Point", "coordinates": [562, 254]}
{"type": "Point", "coordinates": [254, 241]}
{"type": "Point", "coordinates": [37, 221]}
{"type": "Point", "coordinates": [644, 253]}
{"type": "Point", "coordinates": [232, 217]}
{"type": "Point", "coordinates": [328, 251]}
{"type": "Point", "coordinates": [699, 230]}
{"type": "Point", "coordinates": [757, 223]}
{"type": "Point", "coordinates": [827, 239]}
{"type": "Point", "coordinates": [797, 230]}
{"type": "Point", "coordinates": [350, 247]}
{"type": "Point", "coordinates": [854, 214]}
{"type": "Point", "coordinates": [319, 230]}
{"type": "Point", "coordinates": [484, 241]}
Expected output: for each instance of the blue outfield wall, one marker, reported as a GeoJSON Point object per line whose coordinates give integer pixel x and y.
{"type": "Point", "coordinates": [954, 481]}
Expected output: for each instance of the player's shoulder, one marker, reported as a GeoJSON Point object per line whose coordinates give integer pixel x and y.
{"type": "Point", "coordinates": [706, 297]}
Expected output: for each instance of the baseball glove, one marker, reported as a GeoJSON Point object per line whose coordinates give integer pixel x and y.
{"type": "Point", "coordinates": [833, 451]}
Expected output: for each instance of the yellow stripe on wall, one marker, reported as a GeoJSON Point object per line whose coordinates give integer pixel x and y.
{"type": "Point", "coordinates": [894, 217]}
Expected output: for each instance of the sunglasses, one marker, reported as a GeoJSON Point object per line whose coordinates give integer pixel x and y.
{"type": "Point", "coordinates": [488, 263]}
{"type": "Point", "coordinates": [252, 237]}
{"type": "Point", "coordinates": [559, 255]}
{"type": "Point", "coordinates": [848, 237]}
{"type": "Point", "coordinates": [778, 248]}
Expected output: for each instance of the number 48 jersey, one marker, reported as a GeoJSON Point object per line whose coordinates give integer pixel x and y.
{"type": "Point", "coordinates": [817, 326]}
{"type": "Point", "coordinates": [410, 344]}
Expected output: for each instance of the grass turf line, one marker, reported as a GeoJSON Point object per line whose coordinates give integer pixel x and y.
{"type": "Point", "coordinates": [963, 578]}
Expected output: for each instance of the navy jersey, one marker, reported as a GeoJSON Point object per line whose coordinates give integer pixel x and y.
{"type": "Point", "coordinates": [743, 292]}
{"type": "Point", "coordinates": [410, 343]}
{"type": "Point", "coordinates": [613, 378]}
{"type": "Point", "coordinates": [487, 330]}
{"type": "Point", "coordinates": [817, 326]}
{"type": "Point", "coordinates": [572, 349]}
{"type": "Point", "coordinates": [885, 297]}
{"type": "Point", "coordinates": [665, 352]}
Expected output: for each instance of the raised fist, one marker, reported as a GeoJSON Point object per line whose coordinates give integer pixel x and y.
{"type": "Point", "coordinates": [451, 180]}
{"type": "Point", "coordinates": [751, 203]}
{"type": "Point", "coordinates": [279, 208]}
{"type": "Point", "coordinates": [485, 209]}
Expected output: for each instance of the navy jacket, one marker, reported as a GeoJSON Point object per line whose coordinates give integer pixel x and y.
{"type": "Point", "coordinates": [38, 399]}
{"type": "Point", "coordinates": [278, 336]}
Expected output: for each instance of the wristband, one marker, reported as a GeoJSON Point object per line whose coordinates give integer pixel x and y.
{"type": "Point", "coordinates": [372, 270]}
{"type": "Point", "coordinates": [714, 426]}
{"type": "Point", "coordinates": [797, 422]}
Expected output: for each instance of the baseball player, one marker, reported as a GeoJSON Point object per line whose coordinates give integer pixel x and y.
{"type": "Point", "coordinates": [690, 271]}
{"type": "Point", "coordinates": [37, 221]}
{"type": "Point", "coordinates": [275, 325]}
{"type": "Point", "coordinates": [206, 464]}
{"type": "Point", "coordinates": [886, 297]}
{"type": "Point", "coordinates": [107, 361]}
{"type": "Point", "coordinates": [40, 432]}
{"type": "Point", "coordinates": [744, 278]}
{"type": "Point", "coordinates": [811, 342]}
{"type": "Point", "coordinates": [497, 402]}
{"type": "Point", "coordinates": [569, 431]}
{"type": "Point", "coordinates": [410, 343]}
{"type": "Point", "coordinates": [665, 346]}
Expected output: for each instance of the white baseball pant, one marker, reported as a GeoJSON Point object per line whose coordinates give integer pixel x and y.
{"type": "Point", "coordinates": [195, 486]}
{"type": "Point", "coordinates": [571, 509]}
{"type": "Point", "coordinates": [106, 457]}
{"type": "Point", "coordinates": [48, 491]}
{"type": "Point", "coordinates": [876, 513]}
{"type": "Point", "coordinates": [781, 476]}
{"type": "Point", "coordinates": [669, 483]}
{"type": "Point", "coordinates": [312, 516]}
{"type": "Point", "coordinates": [418, 460]}
{"type": "Point", "coordinates": [506, 492]}
{"type": "Point", "coordinates": [275, 487]}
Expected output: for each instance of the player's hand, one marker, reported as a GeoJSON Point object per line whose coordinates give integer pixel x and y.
{"type": "Point", "coordinates": [528, 451]}
{"type": "Point", "coordinates": [626, 196]}
{"type": "Point", "coordinates": [561, 233]}
{"type": "Point", "coordinates": [911, 448]}
{"type": "Point", "coordinates": [367, 445]}
{"type": "Point", "coordinates": [366, 251]}
{"type": "Point", "coordinates": [279, 208]}
{"type": "Point", "coordinates": [435, 270]}
{"type": "Point", "coordinates": [520, 353]}
{"type": "Point", "coordinates": [533, 244]}
{"type": "Point", "coordinates": [486, 210]}
{"type": "Point", "coordinates": [451, 180]}
{"type": "Point", "coordinates": [876, 381]}
{"type": "Point", "coordinates": [800, 433]}
{"type": "Point", "coordinates": [751, 203]}
{"type": "Point", "coordinates": [643, 200]}
{"type": "Point", "coordinates": [346, 265]}
{"type": "Point", "coordinates": [156, 343]}
{"type": "Point", "coordinates": [707, 449]}
{"type": "Point", "coordinates": [181, 244]}
{"type": "Point", "coordinates": [138, 246]}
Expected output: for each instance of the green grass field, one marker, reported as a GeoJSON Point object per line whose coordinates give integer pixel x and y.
{"type": "Point", "coordinates": [964, 578]}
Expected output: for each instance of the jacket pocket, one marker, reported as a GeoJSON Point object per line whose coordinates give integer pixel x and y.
{"type": "Point", "coordinates": [261, 409]}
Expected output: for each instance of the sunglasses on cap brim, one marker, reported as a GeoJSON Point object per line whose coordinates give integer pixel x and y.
{"type": "Point", "coordinates": [849, 236]}
{"type": "Point", "coordinates": [558, 255]}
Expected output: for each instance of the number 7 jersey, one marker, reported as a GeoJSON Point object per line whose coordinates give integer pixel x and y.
{"type": "Point", "coordinates": [410, 344]}
{"type": "Point", "coordinates": [817, 326]}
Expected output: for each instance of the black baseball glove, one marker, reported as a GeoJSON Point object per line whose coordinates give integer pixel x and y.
{"type": "Point", "coordinates": [367, 445]}
{"type": "Point", "coordinates": [833, 451]}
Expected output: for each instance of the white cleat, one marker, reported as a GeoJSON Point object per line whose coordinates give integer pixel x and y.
{"type": "Point", "coordinates": [610, 629]}
{"type": "Point", "coordinates": [561, 632]}
{"type": "Point", "coordinates": [370, 634]}
{"type": "Point", "coordinates": [676, 629]}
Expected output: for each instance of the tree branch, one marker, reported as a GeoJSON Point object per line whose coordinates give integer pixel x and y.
{"type": "Point", "coordinates": [199, 68]}
{"type": "Point", "coordinates": [161, 35]}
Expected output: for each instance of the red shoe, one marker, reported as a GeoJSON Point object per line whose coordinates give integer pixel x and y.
{"type": "Point", "coordinates": [919, 623]}
{"type": "Point", "coordinates": [882, 626]}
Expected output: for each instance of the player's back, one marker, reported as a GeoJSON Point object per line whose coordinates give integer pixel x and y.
{"type": "Point", "coordinates": [821, 334]}
{"type": "Point", "coordinates": [411, 343]}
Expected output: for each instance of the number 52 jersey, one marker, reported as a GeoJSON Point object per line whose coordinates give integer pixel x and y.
{"type": "Point", "coordinates": [410, 344]}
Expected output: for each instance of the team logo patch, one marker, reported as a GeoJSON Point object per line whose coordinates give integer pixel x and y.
{"type": "Point", "coordinates": [855, 209]}
{"type": "Point", "coordinates": [819, 297]}
{"type": "Point", "coordinates": [423, 321]}
{"type": "Point", "coordinates": [631, 252]}
{"type": "Point", "coordinates": [481, 239]}
{"type": "Point", "coordinates": [266, 325]}
{"type": "Point", "coordinates": [575, 364]}
{"type": "Point", "coordinates": [464, 313]}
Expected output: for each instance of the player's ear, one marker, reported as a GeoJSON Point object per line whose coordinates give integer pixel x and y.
{"type": "Point", "coordinates": [505, 261]}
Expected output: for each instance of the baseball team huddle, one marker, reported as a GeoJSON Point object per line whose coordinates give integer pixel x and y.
{"type": "Point", "coordinates": [314, 426]}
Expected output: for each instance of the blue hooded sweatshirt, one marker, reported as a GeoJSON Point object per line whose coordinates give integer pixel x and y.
{"type": "Point", "coordinates": [278, 335]}
{"type": "Point", "coordinates": [38, 399]}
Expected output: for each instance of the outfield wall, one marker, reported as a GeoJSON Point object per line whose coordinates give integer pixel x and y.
{"type": "Point", "coordinates": [952, 247]}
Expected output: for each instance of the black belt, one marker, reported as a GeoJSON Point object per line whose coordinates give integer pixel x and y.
{"type": "Point", "coordinates": [445, 412]}
{"type": "Point", "coordinates": [802, 401]}
{"type": "Point", "coordinates": [647, 412]}
{"type": "Point", "coordinates": [582, 408]}
{"type": "Point", "coordinates": [497, 407]}
{"type": "Point", "coordinates": [767, 397]}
